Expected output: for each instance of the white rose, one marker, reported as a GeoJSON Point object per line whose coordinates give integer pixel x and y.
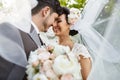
{"type": "Point", "coordinates": [33, 57]}
{"type": "Point", "coordinates": [30, 71]}
{"type": "Point", "coordinates": [44, 56]}
{"type": "Point", "coordinates": [63, 65]}
{"type": "Point", "coordinates": [59, 49]}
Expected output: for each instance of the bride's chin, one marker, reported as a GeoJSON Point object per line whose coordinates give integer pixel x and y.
{"type": "Point", "coordinates": [56, 31]}
{"type": "Point", "coordinates": [57, 34]}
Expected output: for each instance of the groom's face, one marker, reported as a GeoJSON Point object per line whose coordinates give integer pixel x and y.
{"type": "Point", "coordinates": [49, 20]}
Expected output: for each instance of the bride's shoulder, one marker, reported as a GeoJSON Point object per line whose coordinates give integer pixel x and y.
{"type": "Point", "coordinates": [79, 46]}
{"type": "Point", "coordinates": [76, 38]}
{"type": "Point", "coordinates": [80, 49]}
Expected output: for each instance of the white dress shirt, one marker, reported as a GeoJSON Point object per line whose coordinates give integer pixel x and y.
{"type": "Point", "coordinates": [35, 27]}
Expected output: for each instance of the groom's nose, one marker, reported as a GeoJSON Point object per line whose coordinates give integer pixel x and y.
{"type": "Point", "coordinates": [55, 24]}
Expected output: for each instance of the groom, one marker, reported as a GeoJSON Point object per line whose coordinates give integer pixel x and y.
{"type": "Point", "coordinates": [43, 16]}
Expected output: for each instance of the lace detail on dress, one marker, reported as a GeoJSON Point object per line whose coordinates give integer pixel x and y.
{"type": "Point", "coordinates": [79, 49]}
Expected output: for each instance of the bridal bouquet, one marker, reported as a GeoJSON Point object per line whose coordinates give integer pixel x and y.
{"type": "Point", "coordinates": [53, 63]}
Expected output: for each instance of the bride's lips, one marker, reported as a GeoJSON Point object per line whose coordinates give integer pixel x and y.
{"type": "Point", "coordinates": [56, 29]}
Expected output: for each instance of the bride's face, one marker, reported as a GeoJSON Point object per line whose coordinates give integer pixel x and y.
{"type": "Point", "coordinates": [62, 27]}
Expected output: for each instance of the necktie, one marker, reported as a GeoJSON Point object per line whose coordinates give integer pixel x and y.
{"type": "Point", "coordinates": [42, 43]}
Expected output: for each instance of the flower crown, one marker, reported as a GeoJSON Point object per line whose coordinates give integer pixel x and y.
{"type": "Point", "coordinates": [74, 15]}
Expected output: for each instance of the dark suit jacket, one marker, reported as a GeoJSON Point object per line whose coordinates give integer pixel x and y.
{"type": "Point", "coordinates": [9, 70]}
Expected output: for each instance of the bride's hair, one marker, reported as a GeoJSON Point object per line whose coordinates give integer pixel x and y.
{"type": "Point", "coordinates": [53, 4]}
{"type": "Point", "coordinates": [73, 32]}
{"type": "Point", "coordinates": [66, 12]}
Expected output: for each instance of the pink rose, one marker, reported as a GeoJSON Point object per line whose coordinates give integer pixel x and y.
{"type": "Point", "coordinates": [44, 56]}
{"type": "Point", "coordinates": [52, 56]}
{"type": "Point", "coordinates": [67, 77]}
{"type": "Point", "coordinates": [50, 73]}
{"type": "Point", "coordinates": [50, 48]}
{"type": "Point", "coordinates": [40, 50]}
{"type": "Point", "coordinates": [47, 65]}
{"type": "Point", "coordinates": [35, 64]}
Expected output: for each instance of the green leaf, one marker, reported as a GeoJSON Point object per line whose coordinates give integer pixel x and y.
{"type": "Point", "coordinates": [79, 3]}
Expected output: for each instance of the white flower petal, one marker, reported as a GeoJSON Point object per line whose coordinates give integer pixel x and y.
{"type": "Point", "coordinates": [39, 77]}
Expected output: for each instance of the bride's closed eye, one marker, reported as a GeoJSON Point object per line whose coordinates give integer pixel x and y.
{"type": "Point", "coordinates": [59, 21]}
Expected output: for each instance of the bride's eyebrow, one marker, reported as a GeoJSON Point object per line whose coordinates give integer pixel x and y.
{"type": "Point", "coordinates": [57, 19]}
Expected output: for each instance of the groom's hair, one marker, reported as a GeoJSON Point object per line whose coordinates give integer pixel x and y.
{"type": "Point", "coordinates": [53, 4]}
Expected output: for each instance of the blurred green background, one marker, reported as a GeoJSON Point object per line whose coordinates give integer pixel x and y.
{"type": "Point", "coordinates": [73, 3]}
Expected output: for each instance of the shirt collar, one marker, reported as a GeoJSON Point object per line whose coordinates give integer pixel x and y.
{"type": "Point", "coordinates": [36, 29]}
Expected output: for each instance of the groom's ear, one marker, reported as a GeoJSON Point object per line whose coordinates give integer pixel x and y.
{"type": "Point", "coordinates": [45, 11]}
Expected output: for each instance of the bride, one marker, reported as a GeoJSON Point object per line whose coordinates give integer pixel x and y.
{"type": "Point", "coordinates": [62, 28]}
{"type": "Point", "coordinates": [99, 27]}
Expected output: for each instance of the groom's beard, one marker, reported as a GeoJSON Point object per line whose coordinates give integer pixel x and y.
{"type": "Point", "coordinates": [45, 25]}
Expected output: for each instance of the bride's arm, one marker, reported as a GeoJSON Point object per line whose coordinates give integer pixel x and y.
{"type": "Point", "coordinates": [85, 67]}
{"type": "Point", "coordinates": [84, 59]}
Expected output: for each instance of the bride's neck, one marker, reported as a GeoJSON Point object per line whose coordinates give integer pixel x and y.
{"type": "Point", "coordinates": [66, 41]}
{"type": "Point", "coordinates": [63, 38]}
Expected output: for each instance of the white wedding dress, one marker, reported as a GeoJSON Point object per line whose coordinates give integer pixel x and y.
{"type": "Point", "coordinates": [70, 59]}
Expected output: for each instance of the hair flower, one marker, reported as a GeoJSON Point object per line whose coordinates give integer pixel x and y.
{"type": "Point", "coordinates": [74, 15]}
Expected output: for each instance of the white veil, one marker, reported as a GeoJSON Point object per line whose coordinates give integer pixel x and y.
{"type": "Point", "coordinates": [15, 13]}
{"type": "Point", "coordinates": [100, 29]}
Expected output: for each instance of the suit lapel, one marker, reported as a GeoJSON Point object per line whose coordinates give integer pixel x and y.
{"type": "Point", "coordinates": [34, 36]}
